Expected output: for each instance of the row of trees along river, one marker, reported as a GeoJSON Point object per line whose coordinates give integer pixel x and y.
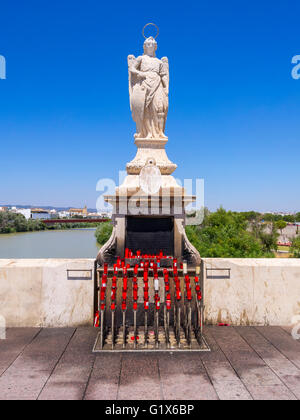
{"type": "Point", "coordinates": [222, 234]}
{"type": "Point", "coordinates": [227, 234]}
{"type": "Point", "coordinates": [14, 222]}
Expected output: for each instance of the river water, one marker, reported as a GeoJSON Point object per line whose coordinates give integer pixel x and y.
{"type": "Point", "coordinates": [73, 243]}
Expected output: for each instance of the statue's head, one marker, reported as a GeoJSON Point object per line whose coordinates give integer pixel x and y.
{"type": "Point", "coordinates": [150, 46]}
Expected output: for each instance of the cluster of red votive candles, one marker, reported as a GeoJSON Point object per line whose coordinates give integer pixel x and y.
{"type": "Point", "coordinates": [146, 260]}
{"type": "Point", "coordinates": [129, 254]}
{"type": "Point", "coordinates": [146, 265]}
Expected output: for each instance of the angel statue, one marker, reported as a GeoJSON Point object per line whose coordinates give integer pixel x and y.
{"type": "Point", "coordinates": [149, 90]}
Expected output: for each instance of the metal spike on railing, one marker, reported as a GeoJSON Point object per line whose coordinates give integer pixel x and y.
{"type": "Point", "coordinates": [157, 308]}
{"type": "Point", "coordinates": [201, 321]}
{"type": "Point", "coordinates": [168, 329]}
{"type": "Point", "coordinates": [134, 329]}
{"type": "Point", "coordinates": [146, 328]}
{"type": "Point", "coordinates": [178, 322]}
{"type": "Point", "coordinates": [124, 329]}
{"type": "Point", "coordinates": [166, 326]}
{"type": "Point", "coordinates": [189, 324]}
{"type": "Point", "coordinates": [156, 328]}
{"type": "Point", "coordinates": [102, 329]}
{"type": "Point", "coordinates": [112, 329]}
{"type": "Point", "coordinates": [198, 325]}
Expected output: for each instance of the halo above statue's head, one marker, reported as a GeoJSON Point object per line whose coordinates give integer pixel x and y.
{"type": "Point", "coordinates": [151, 24]}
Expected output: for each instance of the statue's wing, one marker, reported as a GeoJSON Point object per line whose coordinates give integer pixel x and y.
{"type": "Point", "coordinates": [166, 73]}
{"type": "Point", "coordinates": [131, 62]}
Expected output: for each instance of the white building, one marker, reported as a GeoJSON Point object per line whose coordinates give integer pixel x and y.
{"type": "Point", "coordinates": [64, 214]}
{"type": "Point", "coordinates": [26, 213]}
{"type": "Point", "coordinates": [53, 214]}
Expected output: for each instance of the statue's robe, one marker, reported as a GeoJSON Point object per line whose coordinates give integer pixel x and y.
{"type": "Point", "coordinates": [148, 96]}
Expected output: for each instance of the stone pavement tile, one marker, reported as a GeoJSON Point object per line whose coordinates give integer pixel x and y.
{"type": "Point", "coordinates": [16, 341]}
{"type": "Point", "coordinates": [139, 378]}
{"type": "Point", "coordinates": [285, 343]}
{"type": "Point", "coordinates": [216, 354]}
{"type": "Point", "coordinates": [226, 382]}
{"type": "Point", "coordinates": [232, 391]}
{"type": "Point", "coordinates": [251, 374]}
{"type": "Point", "coordinates": [273, 392]}
{"type": "Point", "coordinates": [70, 377]}
{"type": "Point", "coordinates": [105, 377]}
{"type": "Point", "coordinates": [249, 366]}
{"type": "Point", "coordinates": [224, 378]}
{"type": "Point", "coordinates": [184, 377]}
{"type": "Point", "coordinates": [25, 378]}
{"type": "Point", "coordinates": [283, 368]}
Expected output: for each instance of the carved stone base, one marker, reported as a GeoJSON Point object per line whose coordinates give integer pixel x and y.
{"type": "Point", "coordinates": [151, 149]}
{"type": "Point", "coordinates": [133, 198]}
{"type": "Point", "coordinates": [115, 246]}
{"type": "Point", "coordinates": [107, 253]}
{"type": "Point", "coordinates": [189, 252]}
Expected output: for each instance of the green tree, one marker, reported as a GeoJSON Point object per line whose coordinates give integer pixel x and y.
{"type": "Point", "coordinates": [103, 232]}
{"type": "Point", "coordinates": [224, 235]}
{"type": "Point", "coordinates": [269, 239]}
{"type": "Point", "coordinates": [252, 215]}
{"type": "Point", "coordinates": [289, 218]}
{"type": "Point", "coordinates": [268, 217]}
{"type": "Point", "coordinates": [14, 222]}
{"type": "Point", "coordinates": [281, 224]}
{"type": "Point", "coordinates": [295, 248]}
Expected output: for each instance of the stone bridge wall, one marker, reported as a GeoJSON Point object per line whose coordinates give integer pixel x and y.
{"type": "Point", "coordinates": [53, 293]}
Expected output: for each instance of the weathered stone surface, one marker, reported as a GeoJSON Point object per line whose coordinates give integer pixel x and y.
{"type": "Point", "coordinates": [149, 191]}
{"type": "Point", "coordinates": [244, 363]}
{"type": "Point", "coordinates": [35, 293]}
{"type": "Point", "coordinates": [257, 292]}
{"type": "Point", "coordinates": [40, 293]}
{"type": "Point", "coordinates": [147, 149]}
{"type": "Point", "coordinates": [149, 90]}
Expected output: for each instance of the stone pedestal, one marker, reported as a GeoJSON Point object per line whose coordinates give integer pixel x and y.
{"type": "Point", "coordinates": [151, 149]}
{"type": "Point", "coordinates": [150, 191]}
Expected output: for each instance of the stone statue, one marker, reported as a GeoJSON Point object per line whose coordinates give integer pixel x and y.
{"type": "Point", "coordinates": [149, 90]}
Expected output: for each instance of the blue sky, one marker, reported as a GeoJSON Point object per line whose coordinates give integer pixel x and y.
{"type": "Point", "coordinates": [234, 108]}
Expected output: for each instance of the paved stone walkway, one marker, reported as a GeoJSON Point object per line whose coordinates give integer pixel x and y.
{"type": "Point", "coordinates": [245, 363]}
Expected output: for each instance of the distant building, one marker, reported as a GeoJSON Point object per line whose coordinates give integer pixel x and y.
{"type": "Point", "coordinates": [105, 215]}
{"type": "Point", "coordinates": [93, 216]}
{"type": "Point", "coordinates": [79, 212]}
{"type": "Point", "coordinates": [53, 214]}
{"type": "Point", "coordinates": [63, 214]}
{"type": "Point", "coordinates": [26, 213]}
{"type": "Point", "coordinates": [40, 214]}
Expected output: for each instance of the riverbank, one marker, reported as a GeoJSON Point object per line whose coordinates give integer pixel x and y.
{"type": "Point", "coordinates": [14, 222]}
